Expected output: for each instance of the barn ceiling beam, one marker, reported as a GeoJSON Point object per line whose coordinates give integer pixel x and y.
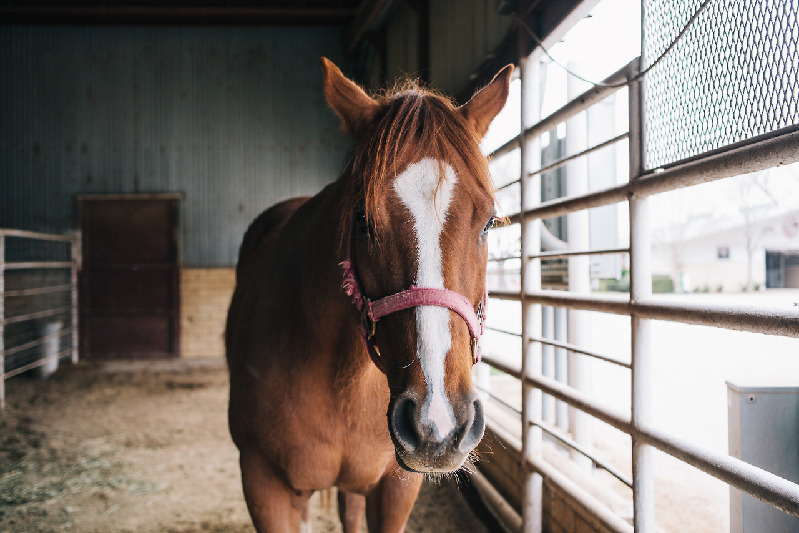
{"type": "Point", "coordinates": [142, 13]}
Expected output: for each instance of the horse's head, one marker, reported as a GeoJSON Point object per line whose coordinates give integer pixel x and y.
{"type": "Point", "coordinates": [418, 206]}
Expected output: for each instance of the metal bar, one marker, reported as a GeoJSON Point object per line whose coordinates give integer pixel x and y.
{"type": "Point", "coordinates": [563, 160]}
{"type": "Point", "coordinates": [561, 366]}
{"type": "Point", "coordinates": [2, 319]}
{"type": "Point", "coordinates": [610, 469]}
{"type": "Point", "coordinates": [506, 258]}
{"type": "Point", "coordinates": [532, 495]}
{"type": "Point", "coordinates": [506, 332]}
{"type": "Point", "coordinates": [783, 321]}
{"type": "Point", "coordinates": [582, 102]}
{"type": "Point", "coordinates": [605, 303]}
{"type": "Point", "coordinates": [603, 519]}
{"type": "Point", "coordinates": [31, 316]}
{"type": "Point", "coordinates": [38, 264]}
{"type": "Point", "coordinates": [75, 252]}
{"type": "Point", "coordinates": [548, 360]}
{"type": "Point", "coordinates": [502, 510]}
{"type": "Point", "coordinates": [769, 152]}
{"type": "Point", "coordinates": [23, 234]}
{"type": "Point", "coordinates": [36, 342]}
{"type": "Point", "coordinates": [569, 253]}
{"type": "Point", "coordinates": [499, 400]}
{"type": "Point", "coordinates": [502, 367]}
{"type": "Point", "coordinates": [505, 186]}
{"type": "Point", "coordinates": [574, 349]}
{"type": "Point", "coordinates": [40, 290]}
{"type": "Point", "coordinates": [642, 374]}
{"type": "Point", "coordinates": [34, 364]}
{"type": "Point", "coordinates": [761, 484]}
{"type": "Point", "coordinates": [554, 433]}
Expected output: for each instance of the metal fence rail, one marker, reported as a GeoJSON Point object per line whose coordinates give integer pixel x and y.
{"type": "Point", "coordinates": [776, 147]}
{"type": "Point", "coordinates": [38, 301]}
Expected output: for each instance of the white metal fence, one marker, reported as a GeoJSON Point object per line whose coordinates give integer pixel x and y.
{"type": "Point", "coordinates": [539, 384]}
{"type": "Point", "coordinates": [38, 302]}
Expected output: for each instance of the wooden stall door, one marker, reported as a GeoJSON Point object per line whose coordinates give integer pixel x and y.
{"type": "Point", "coordinates": [130, 279]}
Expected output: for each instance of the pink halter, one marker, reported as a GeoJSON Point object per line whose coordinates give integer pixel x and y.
{"type": "Point", "coordinates": [372, 312]}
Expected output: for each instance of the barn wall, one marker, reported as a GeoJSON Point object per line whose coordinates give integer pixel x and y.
{"type": "Point", "coordinates": [205, 297]}
{"type": "Point", "coordinates": [233, 118]}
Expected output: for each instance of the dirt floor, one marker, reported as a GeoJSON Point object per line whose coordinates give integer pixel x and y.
{"type": "Point", "coordinates": [101, 448]}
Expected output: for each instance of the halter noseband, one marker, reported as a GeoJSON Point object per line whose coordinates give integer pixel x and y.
{"type": "Point", "coordinates": [371, 312]}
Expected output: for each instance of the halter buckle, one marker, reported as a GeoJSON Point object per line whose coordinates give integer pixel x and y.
{"type": "Point", "coordinates": [475, 351]}
{"type": "Point", "coordinates": [368, 324]}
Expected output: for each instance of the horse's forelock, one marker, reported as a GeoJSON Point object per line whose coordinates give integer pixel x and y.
{"type": "Point", "coordinates": [413, 123]}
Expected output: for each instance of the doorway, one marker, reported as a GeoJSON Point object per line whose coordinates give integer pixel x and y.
{"type": "Point", "coordinates": [130, 276]}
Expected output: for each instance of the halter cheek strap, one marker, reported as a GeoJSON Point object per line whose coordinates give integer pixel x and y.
{"type": "Point", "coordinates": [372, 312]}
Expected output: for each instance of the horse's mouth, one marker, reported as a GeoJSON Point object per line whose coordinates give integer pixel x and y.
{"type": "Point", "coordinates": [425, 468]}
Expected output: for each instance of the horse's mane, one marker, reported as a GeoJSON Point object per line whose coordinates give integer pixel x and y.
{"type": "Point", "coordinates": [413, 123]}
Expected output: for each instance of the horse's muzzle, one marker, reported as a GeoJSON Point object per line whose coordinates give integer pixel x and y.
{"type": "Point", "coordinates": [420, 446]}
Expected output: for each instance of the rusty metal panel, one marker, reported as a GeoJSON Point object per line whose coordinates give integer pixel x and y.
{"type": "Point", "coordinates": [234, 118]}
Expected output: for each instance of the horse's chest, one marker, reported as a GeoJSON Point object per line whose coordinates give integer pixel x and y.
{"type": "Point", "coordinates": [342, 442]}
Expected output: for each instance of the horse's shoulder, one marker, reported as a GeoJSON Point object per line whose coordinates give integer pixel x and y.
{"type": "Point", "coordinates": [266, 224]}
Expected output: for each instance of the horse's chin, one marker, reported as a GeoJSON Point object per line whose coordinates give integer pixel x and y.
{"type": "Point", "coordinates": [422, 467]}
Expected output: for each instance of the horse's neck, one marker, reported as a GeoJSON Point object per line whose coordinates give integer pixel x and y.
{"type": "Point", "coordinates": [329, 312]}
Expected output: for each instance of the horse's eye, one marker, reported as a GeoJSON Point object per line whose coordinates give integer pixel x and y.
{"type": "Point", "coordinates": [363, 225]}
{"type": "Point", "coordinates": [492, 223]}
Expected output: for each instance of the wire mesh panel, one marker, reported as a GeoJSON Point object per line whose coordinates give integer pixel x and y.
{"type": "Point", "coordinates": [733, 75]}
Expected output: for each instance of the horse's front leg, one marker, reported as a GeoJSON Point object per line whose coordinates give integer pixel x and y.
{"type": "Point", "coordinates": [273, 505]}
{"type": "Point", "coordinates": [389, 504]}
{"type": "Point", "coordinates": [350, 510]}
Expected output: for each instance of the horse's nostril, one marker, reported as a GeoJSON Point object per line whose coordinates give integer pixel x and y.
{"type": "Point", "coordinates": [473, 432]}
{"type": "Point", "coordinates": [402, 419]}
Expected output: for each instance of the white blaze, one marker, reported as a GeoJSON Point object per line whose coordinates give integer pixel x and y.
{"type": "Point", "coordinates": [417, 188]}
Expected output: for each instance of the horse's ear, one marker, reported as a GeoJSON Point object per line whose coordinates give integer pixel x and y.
{"type": "Point", "coordinates": [488, 102]}
{"type": "Point", "coordinates": [349, 101]}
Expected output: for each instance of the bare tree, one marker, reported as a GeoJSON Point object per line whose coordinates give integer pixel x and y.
{"type": "Point", "coordinates": [749, 194]}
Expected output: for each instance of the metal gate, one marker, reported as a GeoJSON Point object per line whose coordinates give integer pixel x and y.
{"type": "Point", "coordinates": [721, 104]}
{"type": "Point", "coordinates": [38, 301]}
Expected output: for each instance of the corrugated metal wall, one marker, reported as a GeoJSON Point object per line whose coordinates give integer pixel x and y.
{"type": "Point", "coordinates": [462, 34]}
{"type": "Point", "coordinates": [233, 118]}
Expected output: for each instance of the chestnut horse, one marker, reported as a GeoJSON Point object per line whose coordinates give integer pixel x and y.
{"type": "Point", "coordinates": [329, 388]}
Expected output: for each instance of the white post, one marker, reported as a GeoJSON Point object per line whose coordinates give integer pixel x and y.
{"type": "Point", "coordinates": [548, 361]}
{"type": "Point", "coordinates": [561, 367]}
{"type": "Point", "coordinates": [577, 231]}
{"type": "Point", "coordinates": [640, 288]}
{"type": "Point", "coordinates": [530, 281]}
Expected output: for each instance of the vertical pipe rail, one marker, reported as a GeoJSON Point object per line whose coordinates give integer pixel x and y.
{"type": "Point", "coordinates": [548, 362]}
{"type": "Point", "coordinates": [640, 288]}
{"type": "Point", "coordinates": [2, 320]}
{"type": "Point", "coordinates": [561, 366]}
{"type": "Point", "coordinates": [73, 274]}
{"type": "Point", "coordinates": [532, 490]}
{"type": "Point", "coordinates": [577, 228]}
